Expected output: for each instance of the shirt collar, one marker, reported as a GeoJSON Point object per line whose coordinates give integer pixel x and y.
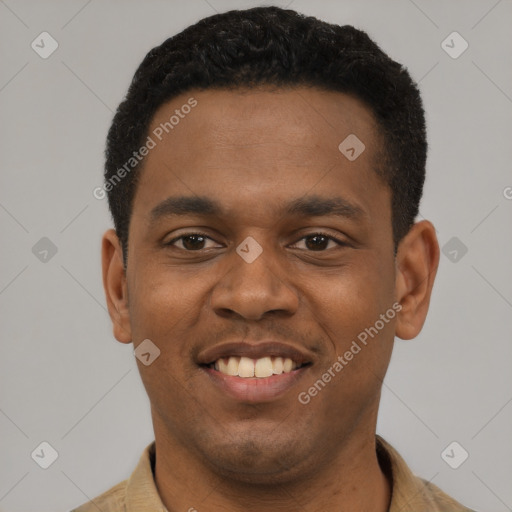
{"type": "Point", "coordinates": [141, 490]}
{"type": "Point", "coordinates": [408, 491]}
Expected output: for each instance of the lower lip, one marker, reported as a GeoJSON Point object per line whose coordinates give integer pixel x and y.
{"type": "Point", "coordinates": [255, 390]}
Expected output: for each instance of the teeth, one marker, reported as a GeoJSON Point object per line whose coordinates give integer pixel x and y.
{"type": "Point", "coordinates": [263, 367]}
{"type": "Point", "coordinates": [278, 366]}
{"type": "Point", "coordinates": [260, 368]}
{"type": "Point", "coordinates": [246, 367]}
{"type": "Point", "coordinates": [232, 368]}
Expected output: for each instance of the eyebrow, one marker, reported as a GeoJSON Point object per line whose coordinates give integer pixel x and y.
{"type": "Point", "coordinates": [309, 206]}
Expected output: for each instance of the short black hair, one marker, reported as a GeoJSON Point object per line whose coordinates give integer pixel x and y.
{"type": "Point", "coordinates": [276, 47]}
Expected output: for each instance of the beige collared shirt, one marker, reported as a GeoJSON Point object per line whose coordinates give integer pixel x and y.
{"type": "Point", "coordinates": [410, 493]}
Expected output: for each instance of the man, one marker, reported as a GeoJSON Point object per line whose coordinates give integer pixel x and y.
{"type": "Point", "coordinates": [264, 174]}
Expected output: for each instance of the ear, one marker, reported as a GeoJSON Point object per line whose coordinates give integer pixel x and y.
{"type": "Point", "coordinates": [416, 267]}
{"type": "Point", "coordinates": [114, 283]}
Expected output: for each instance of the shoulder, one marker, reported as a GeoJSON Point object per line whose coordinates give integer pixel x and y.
{"type": "Point", "coordinates": [410, 492]}
{"type": "Point", "coordinates": [112, 500]}
{"type": "Point", "coordinates": [442, 500]}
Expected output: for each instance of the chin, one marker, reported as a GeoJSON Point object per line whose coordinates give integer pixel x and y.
{"type": "Point", "coordinates": [258, 462]}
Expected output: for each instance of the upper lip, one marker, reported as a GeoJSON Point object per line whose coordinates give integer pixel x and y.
{"type": "Point", "coordinates": [253, 350]}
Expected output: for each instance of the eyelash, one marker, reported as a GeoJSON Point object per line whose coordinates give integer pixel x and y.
{"type": "Point", "coordinates": [340, 243]}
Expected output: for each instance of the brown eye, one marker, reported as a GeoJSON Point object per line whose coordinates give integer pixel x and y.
{"type": "Point", "coordinates": [317, 242]}
{"type": "Point", "coordinates": [320, 242]}
{"type": "Point", "coordinates": [193, 242]}
{"type": "Point", "coordinates": [190, 242]}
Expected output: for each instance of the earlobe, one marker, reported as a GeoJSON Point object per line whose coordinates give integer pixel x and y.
{"type": "Point", "coordinates": [416, 267]}
{"type": "Point", "coordinates": [114, 284]}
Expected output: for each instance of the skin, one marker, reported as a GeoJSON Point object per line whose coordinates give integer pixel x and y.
{"type": "Point", "coordinates": [253, 151]}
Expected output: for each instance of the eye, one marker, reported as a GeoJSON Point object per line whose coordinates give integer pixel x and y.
{"type": "Point", "coordinates": [191, 241]}
{"type": "Point", "coordinates": [196, 241]}
{"type": "Point", "coordinates": [320, 242]}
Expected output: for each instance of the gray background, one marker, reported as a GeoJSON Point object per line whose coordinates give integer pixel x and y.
{"type": "Point", "coordinates": [65, 380]}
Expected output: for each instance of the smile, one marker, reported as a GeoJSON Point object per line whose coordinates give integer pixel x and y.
{"type": "Point", "coordinates": [254, 372]}
{"type": "Point", "coordinates": [261, 368]}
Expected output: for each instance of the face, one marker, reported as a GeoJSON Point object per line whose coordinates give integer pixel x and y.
{"type": "Point", "coordinates": [254, 238]}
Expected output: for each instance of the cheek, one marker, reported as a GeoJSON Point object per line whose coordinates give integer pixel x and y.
{"type": "Point", "coordinates": [353, 297]}
{"type": "Point", "coordinates": [356, 314]}
{"type": "Point", "coordinates": [360, 329]}
{"type": "Point", "coordinates": [360, 349]}
{"type": "Point", "coordinates": [164, 307]}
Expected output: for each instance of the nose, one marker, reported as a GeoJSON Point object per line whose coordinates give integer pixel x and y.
{"type": "Point", "coordinates": [253, 290]}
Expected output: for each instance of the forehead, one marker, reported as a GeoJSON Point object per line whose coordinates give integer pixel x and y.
{"type": "Point", "coordinates": [251, 147]}
{"type": "Point", "coordinates": [285, 117]}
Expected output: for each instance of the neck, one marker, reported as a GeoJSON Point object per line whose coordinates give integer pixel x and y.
{"type": "Point", "coordinates": [350, 480]}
